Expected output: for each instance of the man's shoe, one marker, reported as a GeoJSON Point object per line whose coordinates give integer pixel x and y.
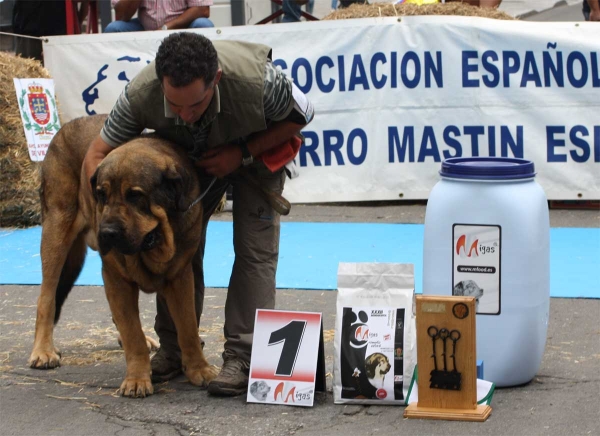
{"type": "Point", "coordinates": [233, 378]}
{"type": "Point", "coordinates": [165, 366]}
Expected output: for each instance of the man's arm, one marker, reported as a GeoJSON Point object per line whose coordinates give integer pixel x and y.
{"type": "Point", "coordinates": [96, 153]}
{"type": "Point", "coordinates": [225, 160]}
{"type": "Point", "coordinates": [594, 10]}
{"type": "Point", "coordinates": [190, 14]}
{"type": "Point", "coordinates": [125, 9]}
{"type": "Point", "coordinates": [120, 126]}
{"type": "Point", "coordinates": [286, 109]}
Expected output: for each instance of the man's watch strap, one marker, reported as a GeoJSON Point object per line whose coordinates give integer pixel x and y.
{"type": "Point", "coordinates": [247, 158]}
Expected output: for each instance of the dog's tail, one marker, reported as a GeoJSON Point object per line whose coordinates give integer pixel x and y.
{"type": "Point", "coordinates": [70, 272]}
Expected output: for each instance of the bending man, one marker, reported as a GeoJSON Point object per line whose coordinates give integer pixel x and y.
{"type": "Point", "coordinates": [227, 104]}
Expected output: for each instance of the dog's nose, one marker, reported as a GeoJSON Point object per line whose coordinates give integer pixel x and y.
{"type": "Point", "coordinates": [108, 236]}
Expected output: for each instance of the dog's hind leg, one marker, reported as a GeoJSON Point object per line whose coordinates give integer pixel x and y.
{"type": "Point", "coordinates": [62, 252]}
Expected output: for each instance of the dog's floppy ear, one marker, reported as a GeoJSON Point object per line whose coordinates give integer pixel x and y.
{"type": "Point", "coordinates": [369, 366]}
{"type": "Point", "coordinates": [175, 183]}
{"type": "Point", "coordinates": [93, 182]}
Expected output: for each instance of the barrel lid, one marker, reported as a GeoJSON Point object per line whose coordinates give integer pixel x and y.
{"type": "Point", "coordinates": [487, 168]}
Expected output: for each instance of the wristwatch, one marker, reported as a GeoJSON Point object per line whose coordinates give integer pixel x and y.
{"type": "Point", "coordinates": [247, 157]}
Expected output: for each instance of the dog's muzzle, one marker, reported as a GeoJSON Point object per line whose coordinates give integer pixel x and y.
{"type": "Point", "coordinates": [112, 235]}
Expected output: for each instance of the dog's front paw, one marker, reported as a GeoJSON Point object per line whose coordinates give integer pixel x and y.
{"type": "Point", "coordinates": [201, 376]}
{"type": "Point", "coordinates": [150, 343]}
{"type": "Point", "coordinates": [134, 387]}
{"type": "Point", "coordinates": [44, 359]}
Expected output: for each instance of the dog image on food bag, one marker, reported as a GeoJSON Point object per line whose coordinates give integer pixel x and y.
{"type": "Point", "coordinates": [138, 216]}
{"type": "Point", "coordinates": [377, 366]}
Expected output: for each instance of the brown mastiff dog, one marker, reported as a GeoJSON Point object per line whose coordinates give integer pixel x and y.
{"type": "Point", "coordinates": [138, 216]}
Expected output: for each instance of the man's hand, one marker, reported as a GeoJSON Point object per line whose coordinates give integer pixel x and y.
{"type": "Point", "coordinates": [126, 9]}
{"type": "Point", "coordinates": [222, 161]}
{"type": "Point", "coordinates": [98, 150]}
{"type": "Point", "coordinates": [595, 10]}
{"type": "Point", "coordinates": [190, 14]}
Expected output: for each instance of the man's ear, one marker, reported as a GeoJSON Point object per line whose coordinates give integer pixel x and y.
{"type": "Point", "coordinates": [217, 77]}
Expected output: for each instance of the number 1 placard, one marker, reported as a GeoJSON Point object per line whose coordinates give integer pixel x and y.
{"type": "Point", "coordinates": [287, 362]}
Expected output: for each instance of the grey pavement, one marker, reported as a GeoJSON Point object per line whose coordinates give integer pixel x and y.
{"type": "Point", "coordinates": [79, 398]}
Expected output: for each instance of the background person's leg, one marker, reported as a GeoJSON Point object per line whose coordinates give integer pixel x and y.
{"type": "Point", "coordinates": [291, 11]}
{"type": "Point", "coordinates": [29, 48]}
{"type": "Point", "coordinates": [201, 23]}
{"type": "Point", "coordinates": [133, 25]}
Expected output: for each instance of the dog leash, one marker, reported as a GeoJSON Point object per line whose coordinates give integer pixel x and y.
{"type": "Point", "coordinates": [203, 194]}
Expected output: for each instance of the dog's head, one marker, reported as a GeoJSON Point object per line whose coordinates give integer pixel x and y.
{"type": "Point", "coordinates": [139, 187]}
{"type": "Point", "coordinates": [259, 390]}
{"type": "Point", "coordinates": [377, 364]}
{"type": "Point", "coordinates": [468, 288]}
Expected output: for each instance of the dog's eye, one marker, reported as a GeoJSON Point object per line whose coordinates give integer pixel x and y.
{"type": "Point", "coordinates": [101, 196]}
{"type": "Point", "coordinates": [134, 196]}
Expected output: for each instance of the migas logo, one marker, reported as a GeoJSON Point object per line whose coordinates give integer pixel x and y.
{"type": "Point", "coordinates": [362, 333]}
{"type": "Point", "coordinates": [285, 391]}
{"type": "Point", "coordinates": [461, 247]}
{"type": "Point", "coordinates": [470, 247]}
{"type": "Point", "coordinates": [359, 329]}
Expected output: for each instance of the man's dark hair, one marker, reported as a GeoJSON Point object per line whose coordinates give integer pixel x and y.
{"type": "Point", "coordinates": [184, 57]}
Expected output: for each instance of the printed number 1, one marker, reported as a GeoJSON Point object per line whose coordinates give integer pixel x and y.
{"type": "Point", "coordinates": [291, 335]}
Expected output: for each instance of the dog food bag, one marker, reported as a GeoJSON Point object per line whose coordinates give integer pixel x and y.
{"type": "Point", "coordinates": [375, 333]}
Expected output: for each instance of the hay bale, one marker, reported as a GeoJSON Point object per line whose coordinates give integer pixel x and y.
{"type": "Point", "coordinates": [391, 10]}
{"type": "Point", "coordinates": [19, 176]}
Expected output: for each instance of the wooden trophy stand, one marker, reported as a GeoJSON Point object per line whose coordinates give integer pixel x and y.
{"type": "Point", "coordinates": [447, 380]}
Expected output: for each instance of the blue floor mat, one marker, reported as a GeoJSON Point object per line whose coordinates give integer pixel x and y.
{"type": "Point", "coordinates": [310, 253]}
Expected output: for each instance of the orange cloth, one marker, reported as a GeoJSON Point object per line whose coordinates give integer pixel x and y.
{"type": "Point", "coordinates": [277, 157]}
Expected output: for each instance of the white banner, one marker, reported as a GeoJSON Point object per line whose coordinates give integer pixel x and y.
{"type": "Point", "coordinates": [394, 97]}
{"type": "Point", "coordinates": [38, 114]}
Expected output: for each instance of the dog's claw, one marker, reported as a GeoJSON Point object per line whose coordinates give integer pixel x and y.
{"type": "Point", "coordinates": [44, 359]}
{"type": "Point", "coordinates": [202, 376]}
{"type": "Point", "coordinates": [136, 388]}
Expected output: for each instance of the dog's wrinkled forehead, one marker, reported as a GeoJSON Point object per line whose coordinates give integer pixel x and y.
{"type": "Point", "coordinates": [132, 166]}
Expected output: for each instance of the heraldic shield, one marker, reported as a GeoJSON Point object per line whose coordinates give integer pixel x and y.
{"type": "Point", "coordinates": [38, 104]}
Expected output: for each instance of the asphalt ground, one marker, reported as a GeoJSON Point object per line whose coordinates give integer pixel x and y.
{"type": "Point", "coordinates": [79, 398]}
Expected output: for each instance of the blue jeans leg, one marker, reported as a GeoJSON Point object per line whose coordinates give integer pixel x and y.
{"type": "Point", "coordinates": [133, 25]}
{"type": "Point", "coordinates": [201, 22]}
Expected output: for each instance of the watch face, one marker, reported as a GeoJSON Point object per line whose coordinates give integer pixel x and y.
{"type": "Point", "coordinates": [247, 158]}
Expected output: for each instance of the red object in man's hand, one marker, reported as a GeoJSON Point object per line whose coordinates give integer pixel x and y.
{"type": "Point", "coordinates": [277, 157]}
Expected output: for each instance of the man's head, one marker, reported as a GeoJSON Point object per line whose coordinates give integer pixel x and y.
{"type": "Point", "coordinates": [187, 67]}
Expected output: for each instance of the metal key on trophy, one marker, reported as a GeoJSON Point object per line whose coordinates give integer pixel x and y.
{"type": "Point", "coordinates": [444, 379]}
{"type": "Point", "coordinates": [446, 360]}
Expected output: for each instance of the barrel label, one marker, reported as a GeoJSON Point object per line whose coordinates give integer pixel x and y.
{"type": "Point", "coordinates": [476, 265]}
